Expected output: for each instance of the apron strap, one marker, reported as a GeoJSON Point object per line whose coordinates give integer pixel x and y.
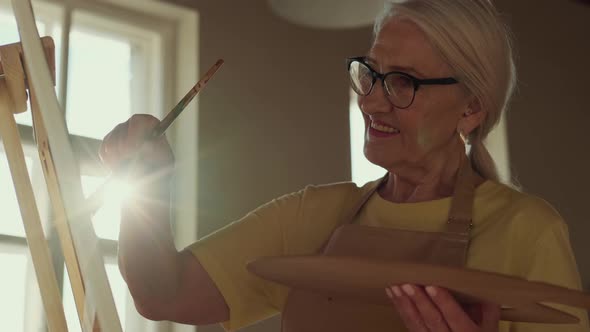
{"type": "Point", "coordinates": [461, 212]}
{"type": "Point", "coordinates": [349, 219]}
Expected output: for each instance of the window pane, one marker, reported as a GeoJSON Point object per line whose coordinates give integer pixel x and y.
{"type": "Point", "coordinates": [362, 169]}
{"type": "Point", "coordinates": [99, 94]}
{"type": "Point", "coordinates": [107, 219]}
{"type": "Point", "coordinates": [12, 288]}
{"type": "Point", "coordinates": [9, 33]}
{"type": "Point", "coordinates": [11, 218]}
{"type": "Point", "coordinates": [118, 288]}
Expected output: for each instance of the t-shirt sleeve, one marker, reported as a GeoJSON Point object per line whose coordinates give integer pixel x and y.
{"type": "Point", "coordinates": [225, 254]}
{"type": "Point", "coordinates": [552, 260]}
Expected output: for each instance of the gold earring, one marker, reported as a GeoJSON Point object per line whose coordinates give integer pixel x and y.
{"type": "Point", "coordinates": [463, 137]}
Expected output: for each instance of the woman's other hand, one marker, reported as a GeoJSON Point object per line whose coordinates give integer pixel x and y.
{"type": "Point", "coordinates": [434, 309]}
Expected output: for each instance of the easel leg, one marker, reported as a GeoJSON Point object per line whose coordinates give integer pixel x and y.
{"type": "Point", "coordinates": [32, 222]}
{"type": "Point", "coordinates": [59, 215]}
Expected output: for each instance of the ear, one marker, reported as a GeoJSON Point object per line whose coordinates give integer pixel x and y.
{"type": "Point", "coordinates": [472, 117]}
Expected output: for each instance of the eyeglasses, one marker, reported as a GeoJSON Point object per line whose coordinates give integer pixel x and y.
{"type": "Point", "coordinates": [400, 87]}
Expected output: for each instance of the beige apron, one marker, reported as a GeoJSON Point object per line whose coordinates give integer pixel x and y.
{"type": "Point", "coordinates": [307, 311]}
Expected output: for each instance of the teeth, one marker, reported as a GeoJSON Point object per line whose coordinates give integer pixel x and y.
{"type": "Point", "coordinates": [383, 128]}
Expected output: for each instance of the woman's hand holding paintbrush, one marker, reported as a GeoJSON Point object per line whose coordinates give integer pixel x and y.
{"type": "Point", "coordinates": [138, 150]}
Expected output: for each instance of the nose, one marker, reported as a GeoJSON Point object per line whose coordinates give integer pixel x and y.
{"type": "Point", "coordinates": [376, 101]}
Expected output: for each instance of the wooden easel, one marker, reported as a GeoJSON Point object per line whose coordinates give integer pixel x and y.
{"type": "Point", "coordinates": [30, 66]}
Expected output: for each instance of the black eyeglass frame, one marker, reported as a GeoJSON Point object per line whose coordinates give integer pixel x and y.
{"type": "Point", "coordinates": [417, 82]}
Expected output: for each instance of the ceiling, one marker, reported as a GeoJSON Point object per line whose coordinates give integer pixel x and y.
{"type": "Point", "coordinates": [338, 14]}
{"type": "Point", "coordinates": [328, 14]}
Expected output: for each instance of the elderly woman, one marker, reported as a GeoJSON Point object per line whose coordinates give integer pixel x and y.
{"type": "Point", "coordinates": [438, 76]}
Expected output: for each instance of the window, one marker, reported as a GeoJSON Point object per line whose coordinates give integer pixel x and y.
{"type": "Point", "coordinates": [12, 304]}
{"type": "Point", "coordinates": [11, 224]}
{"type": "Point", "coordinates": [122, 59]}
{"type": "Point", "coordinates": [364, 171]}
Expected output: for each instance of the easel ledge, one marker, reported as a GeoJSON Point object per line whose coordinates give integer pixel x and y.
{"type": "Point", "coordinates": [48, 47]}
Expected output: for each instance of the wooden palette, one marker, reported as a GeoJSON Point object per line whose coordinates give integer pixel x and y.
{"type": "Point", "coordinates": [366, 279]}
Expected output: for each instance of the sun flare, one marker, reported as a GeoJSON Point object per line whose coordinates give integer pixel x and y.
{"type": "Point", "coordinates": [118, 191]}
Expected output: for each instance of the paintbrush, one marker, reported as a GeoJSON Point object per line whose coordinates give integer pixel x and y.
{"type": "Point", "coordinates": [175, 112]}
{"type": "Point", "coordinates": [95, 200]}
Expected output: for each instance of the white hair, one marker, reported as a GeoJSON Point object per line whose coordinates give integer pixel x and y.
{"type": "Point", "coordinates": [472, 38]}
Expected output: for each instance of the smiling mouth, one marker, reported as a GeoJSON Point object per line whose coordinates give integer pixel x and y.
{"type": "Point", "coordinates": [384, 128]}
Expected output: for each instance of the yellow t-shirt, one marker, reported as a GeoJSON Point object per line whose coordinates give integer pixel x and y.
{"type": "Point", "coordinates": [514, 233]}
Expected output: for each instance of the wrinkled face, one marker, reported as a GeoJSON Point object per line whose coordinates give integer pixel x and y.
{"type": "Point", "coordinates": [415, 135]}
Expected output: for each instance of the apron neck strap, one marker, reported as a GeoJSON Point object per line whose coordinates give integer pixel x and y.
{"type": "Point", "coordinates": [461, 212]}
{"type": "Point", "coordinates": [349, 219]}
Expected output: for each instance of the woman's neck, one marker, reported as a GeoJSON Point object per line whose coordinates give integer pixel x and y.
{"type": "Point", "coordinates": [434, 179]}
